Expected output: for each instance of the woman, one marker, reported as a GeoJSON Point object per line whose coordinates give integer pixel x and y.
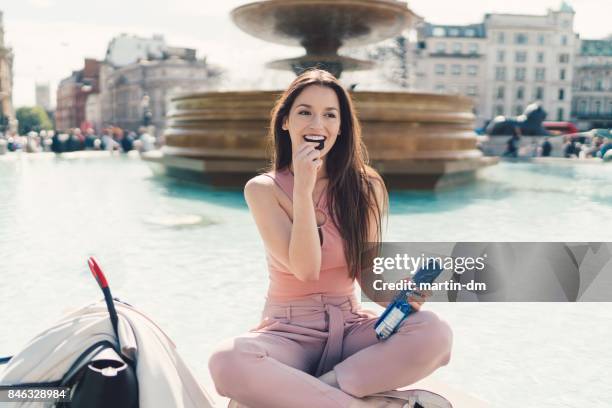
{"type": "Point", "coordinates": [315, 212]}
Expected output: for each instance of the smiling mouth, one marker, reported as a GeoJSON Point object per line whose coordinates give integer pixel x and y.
{"type": "Point", "coordinates": [316, 139]}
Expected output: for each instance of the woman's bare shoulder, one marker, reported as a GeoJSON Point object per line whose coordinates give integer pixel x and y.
{"type": "Point", "coordinates": [374, 178]}
{"type": "Point", "coordinates": [377, 184]}
{"type": "Point", "coordinates": [259, 186]}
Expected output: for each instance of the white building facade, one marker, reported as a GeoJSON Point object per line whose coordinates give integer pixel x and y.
{"type": "Point", "coordinates": [127, 93]}
{"type": "Point", "coordinates": [530, 60]}
{"type": "Point", "coordinates": [592, 99]}
{"type": "Point", "coordinates": [43, 95]}
{"type": "Point", "coordinates": [93, 112]}
{"type": "Point", "coordinates": [504, 64]}
{"type": "Point", "coordinates": [139, 77]}
{"type": "Point", "coordinates": [127, 49]}
{"type": "Point", "coordinates": [452, 59]}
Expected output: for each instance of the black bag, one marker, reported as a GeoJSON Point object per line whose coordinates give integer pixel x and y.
{"type": "Point", "coordinates": [107, 381]}
{"type": "Point", "coordinates": [99, 378]}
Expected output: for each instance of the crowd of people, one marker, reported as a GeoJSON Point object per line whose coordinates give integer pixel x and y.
{"type": "Point", "coordinates": [598, 147]}
{"type": "Point", "coordinates": [581, 147]}
{"type": "Point", "coordinates": [111, 138]}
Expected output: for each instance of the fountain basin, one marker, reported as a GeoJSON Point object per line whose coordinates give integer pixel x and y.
{"type": "Point", "coordinates": [322, 27]}
{"type": "Point", "coordinates": [416, 140]}
{"type": "Point", "coordinates": [312, 23]}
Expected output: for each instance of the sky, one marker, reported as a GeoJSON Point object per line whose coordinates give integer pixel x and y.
{"type": "Point", "coordinates": [50, 38]}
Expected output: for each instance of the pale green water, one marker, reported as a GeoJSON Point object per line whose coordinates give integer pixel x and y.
{"type": "Point", "coordinates": [190, 256]}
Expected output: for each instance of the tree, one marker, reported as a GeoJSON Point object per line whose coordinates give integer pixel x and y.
{"type": "Point", "coordinates": [33, 119]}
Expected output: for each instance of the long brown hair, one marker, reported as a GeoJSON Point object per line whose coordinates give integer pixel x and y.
{"type": "Point", "coordinates": [351, 189]}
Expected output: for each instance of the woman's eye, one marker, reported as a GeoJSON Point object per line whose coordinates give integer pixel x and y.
{"type": "Point", "coordinates": [331, 115]}
{"type": "Point", "coordinates": [303, 113]}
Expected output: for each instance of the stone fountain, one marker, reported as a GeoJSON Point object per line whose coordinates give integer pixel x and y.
{"type": "Point", "coordinates": [416, 140]}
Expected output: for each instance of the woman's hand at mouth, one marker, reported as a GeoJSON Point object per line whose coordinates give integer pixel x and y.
{"type": "Point", "coordinates": [306, 163]}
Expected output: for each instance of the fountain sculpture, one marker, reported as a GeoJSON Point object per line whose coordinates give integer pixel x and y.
{"type": "Point", "coordinates": [416, 140]}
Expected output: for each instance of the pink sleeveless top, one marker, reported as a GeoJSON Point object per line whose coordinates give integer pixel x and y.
{"type": "Point", "coordinates": [334, 279]}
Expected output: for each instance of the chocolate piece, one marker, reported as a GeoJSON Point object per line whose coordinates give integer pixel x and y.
{"type": "Point", "coordinates": [321, 142]}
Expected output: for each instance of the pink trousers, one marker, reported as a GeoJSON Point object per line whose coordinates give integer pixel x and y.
{"type": "Point", "coordinates": [276, 364]}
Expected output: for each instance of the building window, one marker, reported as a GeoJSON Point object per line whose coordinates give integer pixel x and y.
{"type": "Point", "coordinates": [470, 32]}
{"type": "Point", "coordinates": [585, 84]}
{"type": "Point", "coordinates": [519, 74]}
{"type": "Point", "coordinates": [473, 48]}
{"type": "Point", "coordinates": [539, 93]}
{"type": "Point", "coordinates": [440, 88]}
{"type": "Point", "coordinates": [441, 47]}
{"type": "Point", "coordinates": [582, 107]}
{"type": "Point", "coordinates": [472, 90]}
{"type": "Point", "coordinates": [597, 107]}
{"type": "Point", "coordinates": [500, 56]}
{"type": "Point", "coordinates": [518, 110]}
{"type": "Point", "coordinates": [500, 73]}
{"type": "Point", "coordinates": [564, 40]}
{"type": "Point", "coordinates": [561, 94]}
{"type": "Point", "coordinates": [456, 69]}
{"type": "Point", "coordinates": [500, 92]}
{"type": "Point", "coordinates": [540, 74]}
{"type": "Point", "coordinates": [564, 58]}
{"type": "Point", "coordinates": [438, 32]}
{"type": "Point", "coordinates": [540, 57]}
{"type": "Point", "coordinates": [520, 38]}
{"type": "Point", "coordinates": [520, 92]}
{"type": "Point", "coordinates": [501, 38]}
{"type": "Point", "coordinates": [560, 114]}
{"type": "Point", "coordinates": [457, 48]}
{"type": "Point", "coordinates": [453, 32]}
{"type": "Point", "coordinates": [472, 70]}
{"type": "Point", "coordinates": [440, 69]}
{"type": "Point", "coordinates": [562, 74]}
{"type": "Point", "coordinates": [541, 39]}
{"type": "Point", "coordinates": [499, 110]}
{"type": "Point", "coordinates": [599, 84]}
{"type": "Point", "coordinates": [520, 56]}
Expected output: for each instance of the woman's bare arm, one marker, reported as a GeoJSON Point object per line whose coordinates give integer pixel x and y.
{"type": "Point", "coordinates": [304, 245]}
{"type": "Point", "coordinates": [295, 244]}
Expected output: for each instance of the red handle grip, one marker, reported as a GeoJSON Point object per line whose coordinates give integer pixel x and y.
{"type": "Point", "coordinates": [97, 272]}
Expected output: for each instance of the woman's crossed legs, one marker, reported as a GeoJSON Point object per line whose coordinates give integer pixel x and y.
{"type": "Point", "coordinates": [269, 369]}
